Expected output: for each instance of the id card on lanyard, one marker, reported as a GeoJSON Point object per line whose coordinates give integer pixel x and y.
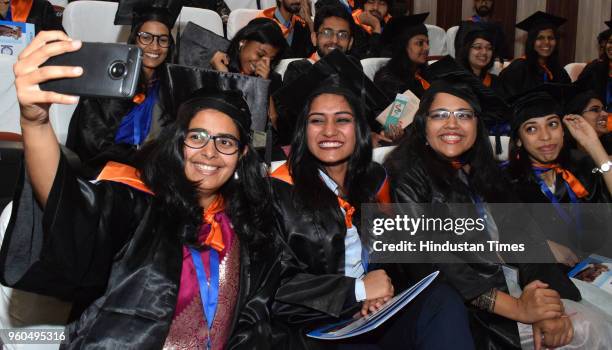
{"type": "Point", "coordinates": [209, 287]}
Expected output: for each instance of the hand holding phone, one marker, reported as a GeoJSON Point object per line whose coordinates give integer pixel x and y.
{"type": "Point", "coordinates": [33, 102]}
{"type": "Point", "coordinates": [109, 70]}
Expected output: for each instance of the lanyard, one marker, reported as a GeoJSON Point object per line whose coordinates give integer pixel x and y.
{"type": "Point", "coordinates": [555, 201]}
{"type": "Point", "coordinates": [209, 291]}
{"type": "Point", "coordinates": [545, 78]}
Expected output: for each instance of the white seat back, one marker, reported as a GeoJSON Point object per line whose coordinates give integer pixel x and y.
{"type": "Point", "coordinates": [61, 3]}
{"type": "Point", "coordinates": [93, 21]}
{"type": "Point", "coordinates": [282, 65]}
{"type": "Point", "coordinates": [574, 70]}
{"type": "Point", "coordinates": [238, 19]}
{"type": "Point", "coordinates": [9, 107]}
{"type": "Point", "coordinates": [451, 33]}
{"type": "Point", "coordinates": [372, 65]}
{"type": "Point", "coordinates": [204, 18]}
{"type": "Point", "coordinates": [505, 143]}
{"type": "Point", "coordinates": [437, 40]}
{"type": "Point", "coordinates": [242, 4]}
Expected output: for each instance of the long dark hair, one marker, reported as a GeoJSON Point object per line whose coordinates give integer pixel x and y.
{"type": "Point", "coordinates": [520, 164]}
{"type": "Point", "coordinates": [262, 30]}
{"type": "Point", "coordinates": [463, 55]}
{"type": "Point", "coordinates": [485, 176]}
{"type": "Point", "coordinates": [532, 56]}
{"type": "Point", "coordinates": [400, 63]}
{"type": "Point", "coordinates": [142, 84]}
{"type": "Point", "coordinates": [311, 192]}
{"type": "Point", "coordinates": [162, 167]}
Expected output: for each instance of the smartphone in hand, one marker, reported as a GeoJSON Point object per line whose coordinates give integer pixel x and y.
{"type": "Point", "coordinates": [109, 70]}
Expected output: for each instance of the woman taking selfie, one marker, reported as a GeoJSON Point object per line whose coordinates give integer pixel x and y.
{"type": "Point", "coordinates": [104, 129]}
{"type": "Point", "coordinates": [318, 195]}
{"type": "Point", "coordinates": [176, 253]}
{"type": "Point", "coordinates": [448, 159]}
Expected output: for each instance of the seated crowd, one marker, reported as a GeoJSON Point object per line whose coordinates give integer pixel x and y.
{"type": "Point", "coordinates": [188, 239]}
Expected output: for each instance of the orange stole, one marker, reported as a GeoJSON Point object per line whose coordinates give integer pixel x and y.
{"type": "Point", "coordinates": [609, 122]}
{"type": "Point", "coordinates": [125, 174]}
{"type": "Point", "coordinates": [424, 83]}
{"type": "Point", "coordinates": [487, 80]}
{"type": "Point", "coordinates": [20, 10]}
{"type": "Point", "coordinates": [215, 237]}
{"type": "Point", "coordinates": [571, 180]}
{"type": "Point", "coordinates": [269, 13]}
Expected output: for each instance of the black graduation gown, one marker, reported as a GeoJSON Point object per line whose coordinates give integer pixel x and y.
{"type": "Point", "coordinates": [44, 16]}
{"type": "Point", "coordinates": [413, 184]}
{"type": "Point", "coordinates": [517, 77]}
{"type": "Point", "coordinates": [591, 239]}
{"type": "Point", "coordinates": [91, 134]}
{"type": "Point", "coordinates": [301, 45]}
{"type": "Point", "coordinates": [594, 77]}
{"type": "Point", "coordinates": [114, 252]}
{"type": "Point", "coordinates": [314, 290]}
{"type": "Point", "coordinates": [297, 68]}
{"type": "Point", "coordinates": [390, 84]}
{"type": "Point", "coordinates": [366, 45]}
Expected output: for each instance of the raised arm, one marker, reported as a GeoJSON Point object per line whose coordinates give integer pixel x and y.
{"type": "Point", "coordinates": [41, 149]}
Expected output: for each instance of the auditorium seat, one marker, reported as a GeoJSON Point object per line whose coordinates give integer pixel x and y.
{"type": "Point", "coordinates": [242, 4]}
{"type": "Point", "coordinates": [9, 107]}
{"type": "Point", "coordinates": [238, 19]}
{"type": "Point", "coordinates": [505, 143]}
{"type": "Point", "coordinates": [93, 21]}
{"type": "Point", "coordinates": [574, 70]}
{"type": "Point", "coordinates": [451, 33]}
{"type": "Point", "coordinates": [60, 3]}
{"type": "Point", "coordinates": [437, 40]}
{"type": "Point", "coordinates": [204, 18]}
{"type": "Point", "coordinates": [372, 65]}
{"type": "Point", "coordinates": [282, 66]}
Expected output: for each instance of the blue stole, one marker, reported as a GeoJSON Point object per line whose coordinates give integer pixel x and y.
{"type": "Point", "coordinates": [135, 126]}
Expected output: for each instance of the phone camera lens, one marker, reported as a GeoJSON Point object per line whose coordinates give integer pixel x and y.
{"type": "Point", "coordinates": [117, 70]}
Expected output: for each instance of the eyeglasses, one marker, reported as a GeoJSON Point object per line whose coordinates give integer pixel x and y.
{"type": "Point", "coordinates": [224, 144]}
{"type": "Point", "coordinates": [146, 38]}
{"type": "Point", "coordinates": [461, 115]}
{"type": "Point", "coordinates": [594, 109]}
{"type": "Point", "coordinates": [342, 35]}
{"type": "Point", "coordinates": [480, 47]}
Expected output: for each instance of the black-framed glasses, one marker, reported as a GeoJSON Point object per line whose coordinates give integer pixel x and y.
{"type": "Point", "coordinates": [341, 35]}
{"type": "Point", "coordinates": [442, 114]}
{"type": "Point", "coordinates": [147, 38]}
{"type": "Point", "coordinates": [224, 144]}
{"type": "Point", "coordinates": [594, 109]}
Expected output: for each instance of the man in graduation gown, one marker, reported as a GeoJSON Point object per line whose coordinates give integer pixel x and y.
{"type": "Point", "coordinates": [294, 28]}
{"type": "Point", "coordinates": [333, 31]}
{"type": "Point", "coordinates": [370, 18]}
{"type": "Point", "coordinates": [483, 13]}
{"type": "Point", "coordinates": [38, 12]}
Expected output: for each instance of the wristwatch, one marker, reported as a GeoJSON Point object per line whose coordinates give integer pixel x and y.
{"type": "Point", "coordinates": [604, 168]}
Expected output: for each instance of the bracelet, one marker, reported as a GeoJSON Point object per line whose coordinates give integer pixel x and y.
{"type": "Point", "coordinates": [603, 168]}
{"type": "Point", "coordinates": [486, 301]}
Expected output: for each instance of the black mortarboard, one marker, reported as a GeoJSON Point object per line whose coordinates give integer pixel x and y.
{"type": "Point", "coordinates": [180, 82]}
{"type": "Point", "coordinates": [448, 72]}
{"type": "Point", "coordinates": [609, 24]}
{"type": "Point", "coordinates": [539, 21]}
{"type": "Point", "coordinates": [605, 35]}
{"type": "Point", "coordinates": [197, 46]}
{"type": "Point", "coordinates": [577, 103]}
{"type": "Point", "coordinates": [404, 27]}
{"type": "Point", "coordinates": [545, 99]}
{"type": "Point", "coordinates": [130, 12]}
{"type": "Point", "coordinates": [333, 73]}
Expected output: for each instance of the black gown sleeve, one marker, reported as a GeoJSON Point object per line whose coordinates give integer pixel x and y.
{"type": "Point", "coordinates": [91, 134]}
{"type": "Point", "coordinates": [305, 296]}
{"type": "Point", "coordinates": [411, 188]}
{"type": "Point", "coordinates": [70, 245]}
